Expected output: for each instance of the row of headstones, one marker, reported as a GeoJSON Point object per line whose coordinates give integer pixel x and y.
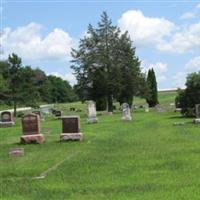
{"type": "Point", "coordinates": [92, 114]}
{"type": "Point", "coordinates": [7, 119]}
{"type": "Point", "coordinates": [70, 125]}
{"type": "Point", "coordinates": [32, 133]}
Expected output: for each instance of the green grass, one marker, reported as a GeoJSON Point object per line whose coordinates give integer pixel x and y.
{"type": "Point", "coordinates": [147, 158]}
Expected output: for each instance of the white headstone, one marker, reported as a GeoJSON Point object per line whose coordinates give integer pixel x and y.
{"type": "Point", "coordinates": [126, 113]}
{"type": "Point", "coordinates": [197, 109]}
{"type": "Point", "coordinates": [146, 107]}
{"type": "Point", "coordinates": [92, 113]}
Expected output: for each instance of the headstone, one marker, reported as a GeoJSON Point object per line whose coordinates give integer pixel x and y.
{"type": "Point", "coordinates": [72, 109]}
{"type": "Point", "coordinates": [197, 111]}
{"type": "Point", "coordinates": [6, 119]}
{"type": "Point", "coordinates": [57, 113]}
{"type": "Point", "coordinates": [31, 129]}
{"type": "Point", "coordinates": [92, 113]}
{"type": "Point", "coordinates": [71, 128]}
{"type": "Point", "coordinates": [16, 152]}
{"type": "Point", "coordinates": [159, 108]}
{"type": "Point", "coordinates": [126, 113]}
{"type": "Point", "coordinates": [146, 108]}
{"type": "Point", "coordinates": [178, 110]}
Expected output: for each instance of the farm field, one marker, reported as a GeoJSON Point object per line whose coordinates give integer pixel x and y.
{"type": "Point", "coordinates": [147, 158]}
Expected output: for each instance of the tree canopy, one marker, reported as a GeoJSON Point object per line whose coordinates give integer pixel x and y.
{"type": "Point", "coordinates": [105, 65]}
{"type": "Point", "coordinates": [186, 99]}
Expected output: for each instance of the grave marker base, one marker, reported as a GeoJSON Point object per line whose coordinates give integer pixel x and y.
{"type": "Point", "coordinates": [71, 136]}
{"type": "Point", "coordinates": [36, 138]}
{"type": "Point", "coordinates": [7, 124]}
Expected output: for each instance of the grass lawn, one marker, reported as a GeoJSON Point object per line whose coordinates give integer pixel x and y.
{"type": "Point", "coordinates": [147, 158]}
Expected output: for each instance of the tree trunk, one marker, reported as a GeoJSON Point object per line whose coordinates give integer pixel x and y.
{"type": "Point", "coordinates": [110, 103]}
{"type": "Point", "coordinates": [15, 108]}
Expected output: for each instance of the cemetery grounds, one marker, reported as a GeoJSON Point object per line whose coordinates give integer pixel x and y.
{"type": "Point", "coordinates": [147, 158]}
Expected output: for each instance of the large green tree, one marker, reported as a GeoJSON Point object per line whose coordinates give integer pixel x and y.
{"type": "Point", "coordinates": [60, 90]}
{"type": "Point", "coordinates": [105, 64]}
{"type": "Point", "coordinates": [152, 91]}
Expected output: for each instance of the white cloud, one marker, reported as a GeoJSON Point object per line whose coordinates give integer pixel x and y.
{"type": "Point", "coordinates": [198, 6]}
{"type": "Point", "coordinates": [186, 40]}
{"type": "Point", "coordinates": [188, 15]}
{"type": "Point", "coordinates": [159, 68]}
{"type": "Point", "coordinates": [193, 65]}
{"type": "Point", "coordinates": [179, 80]}
{"type": "Point", "coordinates": [161, 33]}
{"type": "Point", "coordinates": [68, 76]}
{"type": "Point", "coordinates": [28, 43]}
{"type": "Point", "coordinates": [145, 30]}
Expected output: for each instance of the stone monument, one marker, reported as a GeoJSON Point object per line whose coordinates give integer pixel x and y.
{"type": "Point", "coordinates": [31, 129]}
{"type": "Point", "coordinates": [92, 113]}
{"type": "Point", "coordinates": [146, 107]}
{"type": "Point", "coordinates": [70, 128]}
{"type": "Point", "coordinates": [126, 113]}
{"type": "Point", "coordinates": [6, 119]}
{"type": "Point", "coordinates": [197, 111]}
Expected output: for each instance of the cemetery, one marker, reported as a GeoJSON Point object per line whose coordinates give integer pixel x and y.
{"type": "Point", "coordinates": [114, 158]}
{"type": "Point", "coordinates": [101, 108]}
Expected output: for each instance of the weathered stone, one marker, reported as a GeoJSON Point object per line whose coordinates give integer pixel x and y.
{"type": "Point", "coordinates": [146, 108]}
{"type": "Point", "coordinates": [31, 130]}
{"type": "Point", "coordinates": [197, 121]}
{"type": "Point", "coordinates": [28, 139]}
{"type": "Point", "coordinates": [31, 124]}
{"type": "Point", "coordinates": [92, 114]}
{"type": "Point", "coordinates": [71, 136]}
{"type": "Point", "coordinates": [6, 119]}
{"type": "Point", "coordinates": [6, 124]}
{"type": "Point", "coordinates": [126, 113]}
{"type": "Point", "coordinates": [16, 152]}
{"type": "Point", "coordinates": [71, 128]}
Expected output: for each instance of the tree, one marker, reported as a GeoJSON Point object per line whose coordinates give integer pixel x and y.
{"type": "Point", "coordinates": [152, 92]}
{"type": "Point", "coordinates": [129, 66]}
{"type": "Point", "coordinates": [105, 65]}
{"type": "Point", "coordinates": [60, 90]}
{"type": "Point", "coordinates": [21, 87]}
{"type": "Point", "coordinates": [186, 99]}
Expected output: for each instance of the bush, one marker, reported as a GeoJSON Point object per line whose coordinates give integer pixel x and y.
{"type": "Point", "coordinates": [187, 98]}
{"type": "Point", "coordinates": [20, 114]}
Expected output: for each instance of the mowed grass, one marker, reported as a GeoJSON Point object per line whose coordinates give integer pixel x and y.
{"type": "Point", "coordinates": [147, 158]}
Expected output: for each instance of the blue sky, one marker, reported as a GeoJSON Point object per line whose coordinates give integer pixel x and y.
{"type": "Point", "coordinates": [166, 33]}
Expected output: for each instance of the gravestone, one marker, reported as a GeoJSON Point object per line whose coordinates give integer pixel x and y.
{"type": "Point", "coordinates": [126, 113]}
{"type": "Point", "coordinates": [72, 109]}
{"type": "Point", "coordinates": [92, 113]}
{"type": "Point", "coordinates": [6, 119]}
{"type": "Point", "coordinates": [16, 152]}
{"type": "Point", "coordinates": [146, 108]}
{"type": "Point", "coordinates": [197, 111]}
{"type": "Point", "coordinates": [57, 113]}
{"type": "Point", "coordinates": [31, 129]}
{"type": "Point", "coordinates": [70, 128]}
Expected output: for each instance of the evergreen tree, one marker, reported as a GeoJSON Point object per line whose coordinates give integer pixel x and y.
{"type": "Point", "coordinates": [152, 92]}
{"type": "Point", "coordinates": [105, 65]}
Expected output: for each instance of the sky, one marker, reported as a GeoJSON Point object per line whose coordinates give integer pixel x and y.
{"type": "Point", "coordinates": [166, 34]}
